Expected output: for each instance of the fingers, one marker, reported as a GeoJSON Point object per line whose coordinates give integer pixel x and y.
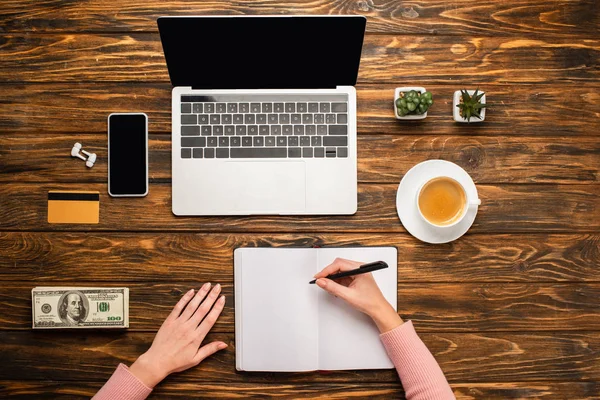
{"type": "Point", "coordinates": [339, 264]}
{"type": "Point", "coordinates": [193, 305]}
{"type": "Point", "coordinates": [180, 305]}
{"type": "Point", "coordinates": [208, 350]}
{"type": "Point", "coordinates": [334, 288]}
{"type": "Point", "coordinates": [206, 305]}
{"type": "Point", "coordinates": [211, 318]}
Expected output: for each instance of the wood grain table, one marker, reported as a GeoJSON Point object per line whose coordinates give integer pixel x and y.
{"type": "Point", "coordinates": [510, 310]}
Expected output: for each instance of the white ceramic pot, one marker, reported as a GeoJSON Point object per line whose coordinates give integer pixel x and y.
{"type": "Point", "coordinates": [456, 110]}
{"type": "Point", "coordinates": [408, 89]}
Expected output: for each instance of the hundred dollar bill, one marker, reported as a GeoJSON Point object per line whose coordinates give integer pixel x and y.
{"type": "Point", "coordinates": [82, 307]}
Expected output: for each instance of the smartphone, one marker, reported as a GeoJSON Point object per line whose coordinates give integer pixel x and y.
{"type": "Point", "coordinates": [128, 154]}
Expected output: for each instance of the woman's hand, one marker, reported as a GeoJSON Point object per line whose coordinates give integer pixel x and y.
{"type": "Point", "coordinates": [361, 292]}
{"type": "Point", "coordinates": [176, 346]}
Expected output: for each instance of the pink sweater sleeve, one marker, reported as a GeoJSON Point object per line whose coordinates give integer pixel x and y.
{"type": "Point", "coordinates": [420, 374]}
{"type": "Point", "coordinates": [123, 385]}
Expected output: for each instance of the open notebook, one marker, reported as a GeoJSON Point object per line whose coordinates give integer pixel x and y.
{"type": "Point", "coordinates": [284, 324]}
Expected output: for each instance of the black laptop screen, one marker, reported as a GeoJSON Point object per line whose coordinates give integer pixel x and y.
{"type": "Point", "coordinates": [249, 52]}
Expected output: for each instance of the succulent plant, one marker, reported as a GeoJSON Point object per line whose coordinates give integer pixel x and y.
{"type": "Point", "coordinates": [413, 103]}
{"type": "Point", "coordinates": [471, 106]}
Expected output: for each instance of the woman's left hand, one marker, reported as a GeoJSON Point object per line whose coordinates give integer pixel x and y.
{"type": "Point", "coordinates": [176, 346]}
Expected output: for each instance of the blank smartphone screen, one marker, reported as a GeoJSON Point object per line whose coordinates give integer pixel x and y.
{"type": "Point", "coordinates": [127, 138]}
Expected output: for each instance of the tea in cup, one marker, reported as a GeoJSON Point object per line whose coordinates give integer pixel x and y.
{"type": "Point", "coordinates": [443, 202]}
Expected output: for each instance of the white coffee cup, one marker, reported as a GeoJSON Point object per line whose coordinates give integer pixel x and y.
{"type": "Point", "coordinates": [469, 203]}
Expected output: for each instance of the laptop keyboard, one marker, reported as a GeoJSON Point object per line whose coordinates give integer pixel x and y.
{"type": "Point", "coordinates": [264, 126]}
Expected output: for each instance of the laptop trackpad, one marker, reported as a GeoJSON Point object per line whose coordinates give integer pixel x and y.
{"type": "Point", "coordinates": [266, 187]}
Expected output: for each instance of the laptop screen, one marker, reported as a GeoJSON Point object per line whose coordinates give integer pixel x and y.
{"type": "Point", "coordinates": [262, 52]}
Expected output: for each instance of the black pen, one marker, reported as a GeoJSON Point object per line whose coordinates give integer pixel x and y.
{"type": "Point", "coordinates": [363, 269]}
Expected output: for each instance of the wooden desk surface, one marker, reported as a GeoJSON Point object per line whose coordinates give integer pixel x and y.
{"type": "Point", "coordinates": [510, 310]}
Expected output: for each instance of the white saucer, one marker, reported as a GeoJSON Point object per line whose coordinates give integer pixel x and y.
{"type": "Point", "coordinates": [407, 206]}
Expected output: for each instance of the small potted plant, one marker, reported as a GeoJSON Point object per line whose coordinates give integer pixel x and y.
{"type": "Point", "coordinates": [469, 106]}
{"type": "Point", "coordinates": [412, 102]}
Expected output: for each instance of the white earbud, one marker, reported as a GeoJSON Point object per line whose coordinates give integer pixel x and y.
{"type": "Point", "coordinates": [91, 159]}
{"type": "Point", "coordinates": [75, 151]}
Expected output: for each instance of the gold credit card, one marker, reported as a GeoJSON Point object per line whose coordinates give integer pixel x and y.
{"type": "Point", "coordinates": [73, 207]}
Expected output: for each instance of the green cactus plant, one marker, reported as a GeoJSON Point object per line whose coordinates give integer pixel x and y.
{"type": "Point", "coordinates": [413, 103]}
{"type": "Point", "coordinates": [471, 106]}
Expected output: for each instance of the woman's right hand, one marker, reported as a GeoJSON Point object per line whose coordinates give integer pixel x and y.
{"type": "Point", "coordinates": [361, 292]}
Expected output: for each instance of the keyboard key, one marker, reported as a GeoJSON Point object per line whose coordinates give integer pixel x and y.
{"type": "Point", "coordinates": [313, 107]}
{"type": "Point", "coordinates": [286, 129]}
{"type": "Point", "coordinates": [298, 129]}
{"type": "Point", "coordinates": [235, 141]}
{"type": "Point", "coordinates": [321, 129]}
{"type": "Point", "coordinates": [258, 152]}
{"type": "Point", "coordinates": [324, 107]}
{"type": "Point", "coordinates": [198, 153]}
{"type": "Point", "coordinates": [316, 141]}
{"type": "Point", "coordinates": [273, 119]}
{"type": "Point", "coordinates": [282, 141]}
{"type": "Point", "coordinates": [284, 119]}
{"type": "Point", "coordinates": [198, 109]}
{"type": "Point", "coordinates": [247, 141]}
{"type": "Point", "coordinates": [310, 129]}
{"type": "Point", "coordinates": [338, 129]}
{"type": "Point", "coordinates": [269, 141]}
{"type": "Point", "coordinates": [342, 118]}
{"type": "Point", "coordinates": [209, 108]}
{"type": "Point", "coordinates": [186, 153]}
{"type": "Point", "coordinates": [222, 153]}
{"type": "Point", "coordinates": [240, 130]}
{"type": "Point", "coordinates": [342, 152]}
{"type": "Point", "coordinates": [226, 119]}
{"type": "Point", "coordinates": [189, 119]}
{"type": "Point", "coordinates": [215, 119]}
{"type": "Point", "coordinates": [211, 141]}
{"type": "Point", "coordinates": [238, 119]}
{"type": "Point", "coordinates": [203, 119]}
{"type": "Point", "coordinates": [319, 152]}
{"type": "Point", "coordinates": [263, 129]}
{"type": "Point", "coordinates": [296, 119]}
{"type": "Point", "coordinates": [255, 107]}
{"type": "Point", "coordinates": [206, 130]}
{"type": "Point", "coordinates": [218, 130]}
{"type": "Point", "coordinates": [307, 118]}
{"type": "Point", "coordinates": [301, 107]}
{"type": "Point", "coordinates": [193, 142]}
{"type": "Point", "coordinates": [292, 141]}
{"type": "Point", "coordinates": [330, 118]}
{"type": "Point", "coordinates": [339, 107]}
{"type": "Point", "coordinates": [221, 108]}
{"type": "Point", "coordinates": [223, 142]}
{"type": "Point", "coordinates": [335, 141]}
{"type": "Point", "coordinates": [307, 152]}
{"type": "Point", "coordinates": [186, 108]}
{"type": "Point", "coordinates": [290, 107]}
{"type": "Point", "coordinates": [267, 107]}
{"type": "Point", "coordinates": [229, 130]}
{"type": "Point", "coordinates": [261, 118]}
{"type": "Point", "coordinates": [294, 152]}
{"type": "Point", "coordinates": [209, 153]}
{"type": "Point", "coordinates": [305, 141]}
{"type": "Point", "coordinates": [253, 130]}
{"type": "Point", "coordinates": [278, 107]}
{"type": "Point", "coordinates": [232, 108]}
{"type": "Point", "coordinates": [330, 152]}
{"type": "Point", "coordinates": [249, 119]}
{"type": "Point", "coordinates": [319, 118]}
{"type": "Point", "coordinates": [275, 129]}
{"type": "Point", "coordinates": [258, 141]}
{"type": "Point", "coordinates": [190, 130]}
{"type": "Point", "coordinates": [244, 108]}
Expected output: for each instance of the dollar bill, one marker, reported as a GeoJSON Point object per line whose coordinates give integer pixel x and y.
{"type": "Point", "coordinates": [79, 307]}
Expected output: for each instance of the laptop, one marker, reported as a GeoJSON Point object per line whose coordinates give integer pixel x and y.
{"type": "Point", "coordinates": [263, 113]}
